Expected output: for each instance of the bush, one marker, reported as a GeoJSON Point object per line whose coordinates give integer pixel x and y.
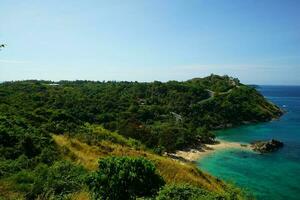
{"type": "Point", "coordinates": [58, 180]}
{"type": "Point", "coordinates": [184, 192]}
{"type": "Point", "coordinates": [9, 167]}
{"type": "Point", "coordinates": [124, 178]}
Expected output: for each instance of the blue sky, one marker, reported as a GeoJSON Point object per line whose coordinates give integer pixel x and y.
{"type": "Point", "coordinates": [257, 41]}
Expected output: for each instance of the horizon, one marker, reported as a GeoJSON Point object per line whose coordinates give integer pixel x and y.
{"type": "Point", "coordinates": [255, 41]}
{"type": "Point", "coordinates": [105, 81]}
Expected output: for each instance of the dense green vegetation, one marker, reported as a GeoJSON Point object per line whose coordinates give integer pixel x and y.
{"type": "Point", "coordinates": [184, 192]}
{"type": "Point", "coordinates": [56, 181]}
{"type": "Point", "coordinates": [125, 178]}
{"type": "Point", "coordinates": [163, 116]}
{"type": "Point", "coordinates": [155, 116]}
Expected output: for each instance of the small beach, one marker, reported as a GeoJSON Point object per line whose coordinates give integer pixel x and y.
{"type": "Point", "coordinates": [196, 154]}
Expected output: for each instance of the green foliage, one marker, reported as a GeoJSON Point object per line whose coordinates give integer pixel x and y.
{"type": "Point", "coordinates": [9, 167]}
{"type": "Point", "coordinates": [148, 112]}
{"type": "Point", "coordinates": [217, 83]}
{"type": "Point", "coordinates": [58, 180]}
{"type": "Point", "coordinates": [241, 105]}
{"type": "Point", "coordinates": [124, 178]}
{"type": "Point", "coordinates": [185, 192]}
{"type": "Point", "coordinates": [23, 147]}
{"type": "Point", "coordinates": [205, 136]}
{"type": "Point", "coordinates": [161, 116]}
{"type": "Point", "coordinates": [172, 136]}
{"type": "Point", "coordinates": [92, 134]}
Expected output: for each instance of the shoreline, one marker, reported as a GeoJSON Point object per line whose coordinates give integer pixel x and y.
{"type": "Point", "coordinates": [196, 154]}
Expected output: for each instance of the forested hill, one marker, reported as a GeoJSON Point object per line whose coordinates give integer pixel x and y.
{"type": "Point", "coordinates": [53, 134]}
{"type": "Point", "coordinates": [163, 116]}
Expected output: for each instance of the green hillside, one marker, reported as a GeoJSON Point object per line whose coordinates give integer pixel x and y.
{"type": "Point", "coordinates": [52, 134]}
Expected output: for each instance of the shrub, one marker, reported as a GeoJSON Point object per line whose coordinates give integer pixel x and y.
{"type": "Point", "coordinates": [124, 178]}
{"type": "Point", "coordinates": [184, 192]}
{"type": "Point", "coordinates": [9, 167]}
{"type": "Point", "coordinates": [58, 180]}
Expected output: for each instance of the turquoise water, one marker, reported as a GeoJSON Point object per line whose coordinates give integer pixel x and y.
{"type": "Point", "coordinates": [274, 176]}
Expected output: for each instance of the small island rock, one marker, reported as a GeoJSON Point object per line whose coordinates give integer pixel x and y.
{"type": "Point", "coordinates": [266, 146]}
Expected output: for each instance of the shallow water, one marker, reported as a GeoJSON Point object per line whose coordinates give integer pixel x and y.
{"type": "Point", "coordinates": [273, 176]}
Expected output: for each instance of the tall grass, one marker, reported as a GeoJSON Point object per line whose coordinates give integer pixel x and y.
{"type": "Point", "coordinates": [172, 171]}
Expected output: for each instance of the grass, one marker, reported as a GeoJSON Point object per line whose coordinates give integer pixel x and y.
{"type": "Point", "coordinates": [87, 155]}
{"type": "Point", "coordinates": [171, 170]}
{"type": "Point", "coordinates": [82, 195]}
{"type": "Point", "coordinates": [7, 193]}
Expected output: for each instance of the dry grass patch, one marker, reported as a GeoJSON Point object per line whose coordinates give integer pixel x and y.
{"type": "Point", "coordinates": [6, 192]}
{"type": "Point", "coordinates": [172, 171]}
{"type": "Point", "coordinates": [82, 195]}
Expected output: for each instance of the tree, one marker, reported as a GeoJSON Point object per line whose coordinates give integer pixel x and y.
{"type": "Point", "coordinates": [124, 178]}
{"type": "Point", "coordinates": [205, 135]}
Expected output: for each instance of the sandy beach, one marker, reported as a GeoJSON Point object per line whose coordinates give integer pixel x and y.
{"type": "Point", "coordinates": [194, 154]}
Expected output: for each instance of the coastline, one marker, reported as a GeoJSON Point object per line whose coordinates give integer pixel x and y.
{"type": "Point", "coordinates": [196, 154]}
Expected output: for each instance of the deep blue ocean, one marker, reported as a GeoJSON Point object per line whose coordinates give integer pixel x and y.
{"type": "Point", "coordinates": [273, 176]}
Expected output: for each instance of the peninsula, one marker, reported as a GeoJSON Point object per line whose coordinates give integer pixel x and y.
{"type": "Point", "coordinates": [54, 133]}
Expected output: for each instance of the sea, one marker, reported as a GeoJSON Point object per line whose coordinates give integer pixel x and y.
{"type": "Point", "coordinates": [271, 176]}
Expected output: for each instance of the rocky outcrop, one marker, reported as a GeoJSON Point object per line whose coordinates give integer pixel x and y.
{"type": "Point", "coordinates": [266, 146]}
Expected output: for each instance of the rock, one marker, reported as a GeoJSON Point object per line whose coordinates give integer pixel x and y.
{"type": "Point", "coordinates": [266, 146]}
{"type": "Point", "coordinates": [244, 145]}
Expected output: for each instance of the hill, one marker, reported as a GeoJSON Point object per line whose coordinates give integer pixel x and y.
{"type": "Point", "coordinates": [43, 123]}
{"type": "Point", "coordinates": [149, 112]}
